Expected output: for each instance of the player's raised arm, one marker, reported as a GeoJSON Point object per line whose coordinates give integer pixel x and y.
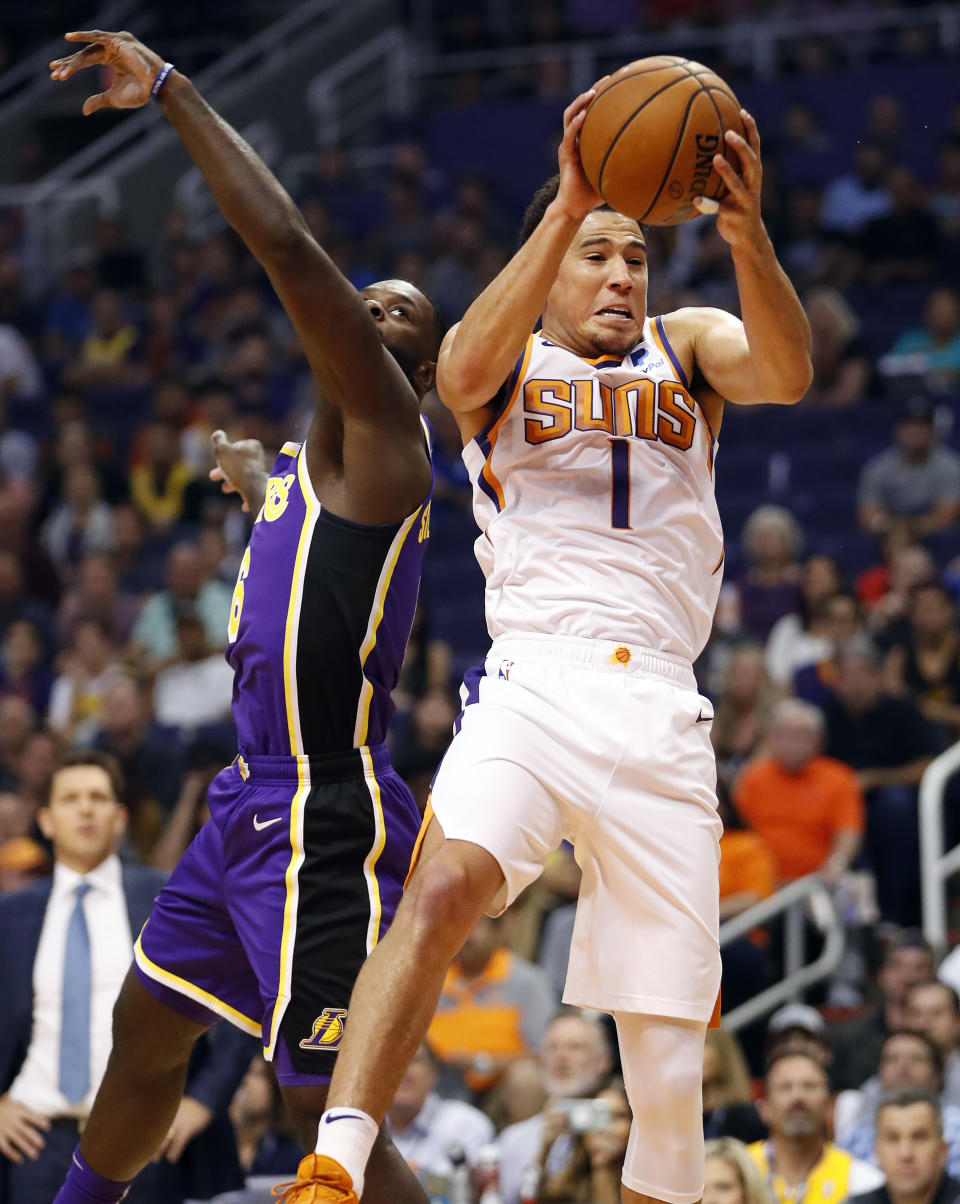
{"type": "Point", "coordinates": [478, 354]}
{"type": "Point", "coordinates": [766, 358]}
{"type": "Point", "coordinates": [355, 372]}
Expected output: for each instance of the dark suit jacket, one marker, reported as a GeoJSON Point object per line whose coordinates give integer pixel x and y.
{"type": "Point", "coordinates": [220, 1058]}
{"type": "Point", "coordinates": [856, 1049]}
{"type": "Point", "coordinates": [946, 1193]}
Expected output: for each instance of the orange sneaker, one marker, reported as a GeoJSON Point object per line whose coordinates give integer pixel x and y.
{"type": "Point", "coordinates": [320, 1180]}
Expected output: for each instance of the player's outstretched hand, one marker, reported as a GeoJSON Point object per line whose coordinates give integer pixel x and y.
{"type": "Point", "coordinates": [738, 214]}
{"type": "Point", "coordinates": [241, 468]}
{"type": "Point", "coordinates": [576, 195]}
{"type": "Point", "coordinates": [134, 67]}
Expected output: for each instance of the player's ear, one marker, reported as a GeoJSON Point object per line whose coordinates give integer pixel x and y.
{"type": "Point", "coordinates": [425, 376]}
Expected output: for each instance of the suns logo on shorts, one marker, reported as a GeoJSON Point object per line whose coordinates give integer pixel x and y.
{"type": "Point", "coordinates": [622, 655]}
{"type": "Point", "coordinates": [327, 1030]}
{"type": "Point", "coordinates": [278, 497]}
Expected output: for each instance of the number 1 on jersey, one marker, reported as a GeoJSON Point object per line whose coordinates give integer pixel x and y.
{"type": "Point", "coordinates": [620, 483]}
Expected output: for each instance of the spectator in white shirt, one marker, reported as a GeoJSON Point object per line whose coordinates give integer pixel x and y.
{"type": "Point", "coordinates": [197, 688]}
{"type": "Point", "coordinates": [427, 1129]}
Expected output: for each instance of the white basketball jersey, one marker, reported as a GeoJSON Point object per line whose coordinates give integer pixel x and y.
{"type": "Point", "coordinates": [593, 490]}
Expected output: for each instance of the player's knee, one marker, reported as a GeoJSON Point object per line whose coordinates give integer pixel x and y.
{"type": "Point", "coordinates": [148, 1037]}
{"type": "Point", "coordinates": [662, 1068]}
{"type": "Point", "coordinates": [445, 901]}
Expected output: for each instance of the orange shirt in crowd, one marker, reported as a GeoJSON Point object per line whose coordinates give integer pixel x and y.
{"type": "Point", "coordinates": [800, 814]}
{"type": "Point", "coordinates": [746, 865]}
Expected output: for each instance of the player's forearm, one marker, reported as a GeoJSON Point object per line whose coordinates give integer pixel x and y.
{"type": "Point", "coordinates": [495, 328]}
{"type": "Point", "coordinates": [777, 330]}
{"type": "Point", "coordinates": [246, 192]}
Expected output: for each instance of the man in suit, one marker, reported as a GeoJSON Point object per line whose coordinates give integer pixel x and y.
{"type": "Point", "coordinates": [65, 947]}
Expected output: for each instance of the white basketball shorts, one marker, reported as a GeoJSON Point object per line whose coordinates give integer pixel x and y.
{"type": "Point", "coordinates": [607, 746]}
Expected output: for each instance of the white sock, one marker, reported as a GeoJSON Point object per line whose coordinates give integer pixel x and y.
{"type": "Point", "coordinates": [347, 1135]}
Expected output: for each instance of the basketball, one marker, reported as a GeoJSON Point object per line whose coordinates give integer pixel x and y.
{"type": "Point", "coordinates": [650, 134]}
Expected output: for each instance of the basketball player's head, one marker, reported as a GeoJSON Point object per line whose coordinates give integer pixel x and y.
{"type": "Point", "coordinates": [84, 817]}
{"type": "Point", "coordinates": [598, 302]}
{"type": "Point", "coordinates": [411, 328]}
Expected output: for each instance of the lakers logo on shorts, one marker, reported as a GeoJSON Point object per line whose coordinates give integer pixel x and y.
{"type": "Point", "coordinates": [327, 1030]}
{"type": "Point", "coordinates": [622, 655]}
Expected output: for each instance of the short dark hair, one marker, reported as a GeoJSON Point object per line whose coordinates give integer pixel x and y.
{"type": "Point", "coordinates": [542, 198]}
{"type": "Point", "coordinates": [906, 938]}
{"type": "Point", "coordinates": [101, 760]}
{"type": "Point", "coordinates": [439, 324]}
{"type": "Point", "coordinates": [947, 989]}
{"type": "Point", "coordinates": [905, 1097]}
{"type": "Point", "coordinates": [781, 1055]}
{"type": "Point", "coordinates": [933, 1049]}
{"type": "Point", "coordinates": [937, 587]}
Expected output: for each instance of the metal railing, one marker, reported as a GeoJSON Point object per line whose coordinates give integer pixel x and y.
{"type": "Point", "coordinates": [348, 96]}
{"type": "Point", "coordinates": [792, 902]}
{"type": "Point", "coordinates": [936, 865]}
{"type": "Point", "coordinates": [234, 67]}
{"type": "Point", "coordinates": [138, 163]}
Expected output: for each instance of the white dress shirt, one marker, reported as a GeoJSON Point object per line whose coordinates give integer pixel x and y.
{"type": "Point", "coordinates": [440, 1125]}
{"type": "Point", "coordinates": [37, 1086]}
{"type": "Point", "coordinates": [188, 694]}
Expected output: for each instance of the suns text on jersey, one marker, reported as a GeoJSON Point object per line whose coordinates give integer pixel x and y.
{"type": "Point", "coordinates": [642, 408]}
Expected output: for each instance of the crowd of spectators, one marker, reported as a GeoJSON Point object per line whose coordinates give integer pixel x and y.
{"type": "Point", "coordinates": [833, 690]}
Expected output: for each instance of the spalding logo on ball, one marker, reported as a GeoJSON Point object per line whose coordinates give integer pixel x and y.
{"type": "Point", "coordinates": [650, 134]}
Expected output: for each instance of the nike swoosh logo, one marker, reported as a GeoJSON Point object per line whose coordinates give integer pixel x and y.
{"type": "Point", "coordinates": [261, 824]}
{"type": "Point", "coordinates": [701, 718]}
{"type": "Point", "coordinates": [343, 1116]}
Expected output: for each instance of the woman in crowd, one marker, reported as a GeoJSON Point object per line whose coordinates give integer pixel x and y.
{"type": "Point", "coordinates": [728, 1110]}
{"type": "Point", "coordinates": [801, 638]}
{"type": "Point", "coordinates": [841, 363]}
{"type": "Point", "coordinates": [770, 587]}
{"type": "Point", "coordinates": [732, 1177]}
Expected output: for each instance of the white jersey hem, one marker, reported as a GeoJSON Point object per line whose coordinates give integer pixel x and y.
{"type": "Point", "coordinates": [580, 995]}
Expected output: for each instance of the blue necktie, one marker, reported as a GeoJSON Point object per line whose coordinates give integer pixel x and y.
{"type": "Point", "coordinates": [75, 1017]}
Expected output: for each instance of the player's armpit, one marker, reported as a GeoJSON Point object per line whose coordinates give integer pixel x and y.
{"type": "Point", "coordinates": [714, 345]}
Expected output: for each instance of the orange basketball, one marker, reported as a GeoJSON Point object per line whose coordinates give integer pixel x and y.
{"type": "Point", "coordinates": [650, 134]}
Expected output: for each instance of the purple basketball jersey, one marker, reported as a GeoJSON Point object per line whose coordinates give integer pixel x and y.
{"type": "Point", "coordinates": [320, 619]}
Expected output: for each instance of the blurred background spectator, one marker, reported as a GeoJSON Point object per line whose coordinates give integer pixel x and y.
{"type": "Point", "coordinates": [125, 342]}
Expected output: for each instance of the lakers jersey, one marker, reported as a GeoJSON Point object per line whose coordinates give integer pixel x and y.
{"type": "Point", "coordinates": [320, 618]}
{"type": "Point", "coordinates": [593, 490]}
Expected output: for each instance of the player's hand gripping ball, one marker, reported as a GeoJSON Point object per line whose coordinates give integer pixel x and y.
{"type": "Point", "coordinates": [649, 139]}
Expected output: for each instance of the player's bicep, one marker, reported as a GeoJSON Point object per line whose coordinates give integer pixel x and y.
{"type": "Point", "coordinates": [464, 390]}
{"type": "Point", "coordinates": [450, 384]}
{"type": "Point", "coordinates": [722, 357]}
